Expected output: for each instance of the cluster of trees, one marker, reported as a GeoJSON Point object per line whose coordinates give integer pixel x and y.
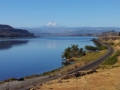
{"type": "Point", "coordinates": [73, 51]}
{"type": "Point", "coordinates": [99, 45]}
{"type": "Point", "coordinates": [91, 48]}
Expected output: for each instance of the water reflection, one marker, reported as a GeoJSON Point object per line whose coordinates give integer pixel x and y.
{"type": "Point", "coordinates": [51, 45]}
{"type": "Point", "coordinates": [23, 57]}
{"type": "Point", "coordinates": [4, 45]}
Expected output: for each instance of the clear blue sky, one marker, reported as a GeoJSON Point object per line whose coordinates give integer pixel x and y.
{"type": "Point", "coordinates": [71, 13]}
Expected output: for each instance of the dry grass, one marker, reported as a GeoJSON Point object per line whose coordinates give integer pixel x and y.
{"type": "Point", "coordinates": [92, 56]}
{"type": "Point", "coordinates": [83, 60]}
{"type": "Point", "coordinates": [115, 40]}
{"type": "Point", "coordinates": [108, 79]}
{"type": "Point", "coordinates": [105, 79]}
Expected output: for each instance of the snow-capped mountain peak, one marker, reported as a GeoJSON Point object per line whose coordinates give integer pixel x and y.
{"type": "Point", "coordinates": [52, 24]}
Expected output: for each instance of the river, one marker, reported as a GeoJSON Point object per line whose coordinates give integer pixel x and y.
{"type": "Point", "coordinates": [23, 57]}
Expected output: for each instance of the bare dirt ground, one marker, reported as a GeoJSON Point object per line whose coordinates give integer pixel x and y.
{"type": "Point", "coordinates": [104, 79]}
{"type": "Point", "coordinates": [107, 79]}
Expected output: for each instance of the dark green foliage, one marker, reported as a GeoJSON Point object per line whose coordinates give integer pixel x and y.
{"type": "Point", "coordinates": [111, 43]}
{"type": "Point", "coordinates": [119, 34]}
{"type": "Point", "coordinates": [83, 53]}
{"type": "Point", "coordinates": [112, 59]}
{"type": "Point", "coordinates": [102, 47]}
{"type": "Point", "coordinates": [74, 48]}
{"type": "Point", "coordinates": [99, 45]}
{"type": "Point", "coordinates": [91, 48]}
{"type": "Point", "coordinates": [80, 50]}
{"type": "Point", "coordinates": [73, 51]}
{"type": "Point", "coordinates": [66, 63]}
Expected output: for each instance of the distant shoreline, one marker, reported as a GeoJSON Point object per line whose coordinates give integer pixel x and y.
{"type": "Point", "coordinates": [34, 75]}
{"type": "Point", "coordinates": [20, 37]}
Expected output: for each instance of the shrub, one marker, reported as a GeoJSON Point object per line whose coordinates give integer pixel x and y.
{"type": "Point", "coordinates": [73, 51]}
{"type": "Point", "coordinates": [99, 45]}
{"type": "Point", "coordinates": [112, 59]}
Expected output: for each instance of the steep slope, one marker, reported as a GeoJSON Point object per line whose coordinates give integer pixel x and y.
{"type": "Point", "coordinates": [8, 31]}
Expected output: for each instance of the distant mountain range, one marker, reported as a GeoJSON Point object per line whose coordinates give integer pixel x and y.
{"type": "Point", "coordinates": [54, 29]}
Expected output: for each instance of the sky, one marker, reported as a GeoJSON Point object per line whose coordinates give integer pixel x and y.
{"type": "Point", "coordinates": [70, 13]}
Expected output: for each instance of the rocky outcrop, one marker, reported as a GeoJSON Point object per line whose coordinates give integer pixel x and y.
{"type": "Point", "coordinates": [8, 31]}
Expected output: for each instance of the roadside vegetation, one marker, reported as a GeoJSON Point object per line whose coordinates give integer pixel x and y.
{"type": "Point", "coordinates": [81, 57]}
{"type": "Point", "coordinates": [112, 59]}
{"type": "Point", "coordinates": [73, 51]}
{"type": "Point", "coordinates": [91, 48]}
{"type": "Point", "coordinates": [92, 53]}
{"type": "Point", "coordinates": [99, 45]}
{"type": "Point", "coordinates": [107, 79]}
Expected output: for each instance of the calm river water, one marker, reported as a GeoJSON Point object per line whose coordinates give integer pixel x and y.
{"type": "Point", "coordinates": [22, 57]}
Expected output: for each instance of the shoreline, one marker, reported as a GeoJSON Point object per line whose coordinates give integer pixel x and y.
{"type": "Point", "coordinates": [19, 37]}
{"type": "Point", "coordinates": [48, 78]}
{"type": "Point", "coordinates": [36, 75]}
{"type": "Point", "coordinates": [6, 39]}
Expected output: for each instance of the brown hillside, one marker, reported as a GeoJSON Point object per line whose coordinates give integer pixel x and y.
{"type": "Point", "coordinates": [108, 79]}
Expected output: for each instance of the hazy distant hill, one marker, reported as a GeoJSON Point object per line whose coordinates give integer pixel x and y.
{"type": "Point", "coordinates": [52, 29]}
{"type": "Point", "coordinates": [8, 31]}
{"type": "Point", "coordinates": [66, 31]}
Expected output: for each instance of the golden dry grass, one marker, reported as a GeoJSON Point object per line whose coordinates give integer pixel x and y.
{"type": "Point", "coordinates": [108, 79]}
{"type": "Point", "coordinates": [105, 79]}
{"type": "Point", "coordinates": [83, 60]}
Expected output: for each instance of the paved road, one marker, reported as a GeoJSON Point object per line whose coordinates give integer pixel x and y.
{"type": "Point", "coordinates": [31, 82]}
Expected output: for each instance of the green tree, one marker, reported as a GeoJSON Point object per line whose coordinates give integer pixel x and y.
{"type": "Point", "coordinates": [73, 51]}
{"type": "Point", "coordinates": [74, 47]}
{"type": "Point", "coordinates": [91, 48]}
{"type": "Point", "coordinates": [80, 50]}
